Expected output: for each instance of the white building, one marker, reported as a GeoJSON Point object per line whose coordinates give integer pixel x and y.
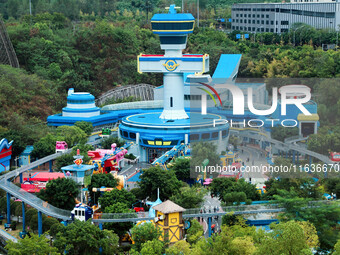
{"type": "Point", "coordinates": [279, 17]}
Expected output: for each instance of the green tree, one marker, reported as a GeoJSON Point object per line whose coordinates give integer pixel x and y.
{"type": "Point", "coordinates": [337, 248]}
{"type": "Point", "coordinates": [87, 127]}
{"type": "Point", "coordinates": [155, 178]}
{"type": "Point", "coordinates": [333, 186]}
{"type": "Point", "coordinates": [29, 214]}
{"type": "Point", "coordinates": [202, 151]}
{"type": "Point", "coordinates": [230, 190]}
{"type": "Point", "coordinates": [34, 245]}
{"type": "Point", "coordinates": [153, 247]}
{"type": "Point", "coordinates": [60, 193]}
{"type": "Point", "coordinates": [236, 239]}
{"type": "Point", "coordinates": [55, 229]}
{"type": "Point", "coordinates": [323, 216]}
{"type": "Point", "coordinates": [18, 210]}
{"type": "Point", "coordinates": [189, 197]}
{"type": "Point", "coordinates": [82, 237]}
{"type": "Point", "coordinates": [231, 219]}
{"type": "Point", "coordinates": [98, 181]}
{"type": "Point", "coordinates": [304, 188]}
{"type": "Point", "coordinates": [107, 142]}
{"type": "Point", "coordinates": [117, 196]}
{"type": "Point", "coordinates": [33, 223]}
{"type": "Point", "coordinates": [142, 233]}
{"type": "Point", "coordinates": [195, 232]}
{"type": "Point", "coordinates": [72, 135]}
{"type": "Point", "coordinates": [285, 238]}
{"type": "Point", "coordinates": [119, 228]}
{"type": "Point", "coordinates": [181, 167]}
{"type": "Point", "coordinates": [48, 223]}
{"type": "Point", "coordinates": [45, 146]}
{"type": "Point", "coordinates": [281, 133]}
{"type": "Point", "coordinates": [179, 248]}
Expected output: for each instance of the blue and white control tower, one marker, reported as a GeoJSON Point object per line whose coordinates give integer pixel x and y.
{"type": "Point", "coordinates": [156, 132]}
{"type": "Point", "coordinates": [173, 29]}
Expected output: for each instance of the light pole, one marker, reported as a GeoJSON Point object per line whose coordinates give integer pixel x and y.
{"type": "Point", "coordinates": [258, 29]}
{"type": "Point", "coordinates": [337, 40]}
{"type": "Point", "coordinates": [294, 33]}
{"type": "Point", "coordinates": [198, 13]}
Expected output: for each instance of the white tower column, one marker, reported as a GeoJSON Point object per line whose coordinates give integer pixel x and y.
{"type": "Point", "coordinates": [173, 97]}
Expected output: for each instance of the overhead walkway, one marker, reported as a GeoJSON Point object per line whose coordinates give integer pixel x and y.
{"type": "Point", "coordinates": [34, 201]}
{"type": "Point", "coordinates": [7, 236]}
{"type": "Point", "coordinates": [40, 205]}
{"type": "Point", "coordinates": [286, 147]}
{"type": "Point", "coordinates": [35, 164]}
{"type": "Point", "coordinates": [295, 139]}
{"type": "Point", "coordinates": [197, 212]}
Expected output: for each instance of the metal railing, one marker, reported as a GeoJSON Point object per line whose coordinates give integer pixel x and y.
{"type": "Point", "coordinates": [34, 164]}
{"type": "Point", "coordinates": [7, 236]}
{"type": "Point", "coordinates": [34, 201]}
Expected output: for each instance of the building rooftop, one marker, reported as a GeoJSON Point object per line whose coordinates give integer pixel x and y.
{"type": "Point", "coordinates": [45, 176]}
{"type": "Point", "coordinates": [168, 207]}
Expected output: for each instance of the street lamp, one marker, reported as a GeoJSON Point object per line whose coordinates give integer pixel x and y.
{"type": "Point", "coordinates": [294, 33]}
{"type": "Point", "coordinates": [198, 13]}
{"type": "Point", "coordinates": [258, 29]}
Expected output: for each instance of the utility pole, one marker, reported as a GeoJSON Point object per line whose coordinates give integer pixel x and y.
{"type": "Point", "coordinates": [147, 11]}
{"type": "Point", "coordinates": [30, 8]}
{"type": "Point", "coordinates": [198, 13]}
{"type": "Point", "coordinates": [337, 40]}
{"type": "Point", "coordinates": [182, 6]}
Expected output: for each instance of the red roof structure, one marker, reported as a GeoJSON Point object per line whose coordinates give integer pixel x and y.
{"type": "Point", "coordinates": [45, 176]}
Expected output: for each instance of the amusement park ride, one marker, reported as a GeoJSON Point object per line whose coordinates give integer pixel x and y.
{"type": "Point", "coordinates": [106, 161]}
{"type": "Point", "coordinates": [159, 136]}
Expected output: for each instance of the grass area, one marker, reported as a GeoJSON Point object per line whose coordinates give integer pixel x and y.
{"type": "Point", "coordinates": [14, 233]}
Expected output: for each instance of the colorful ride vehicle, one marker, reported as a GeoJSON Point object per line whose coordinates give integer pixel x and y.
{"type": "Point", "coordinates": [61, 147]}
{"type": "Point", "coordinates": [106, 161]}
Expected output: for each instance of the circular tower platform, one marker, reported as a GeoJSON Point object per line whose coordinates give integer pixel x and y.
{"type": "Point", "coordinates": [155, 136]}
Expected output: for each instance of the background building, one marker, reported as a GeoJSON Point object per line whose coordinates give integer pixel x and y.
{"type": "Point", "coordinates": [279, 17]}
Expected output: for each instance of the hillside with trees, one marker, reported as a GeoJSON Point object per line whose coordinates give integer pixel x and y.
{"type": "Point", "coordinates": [96, 51]}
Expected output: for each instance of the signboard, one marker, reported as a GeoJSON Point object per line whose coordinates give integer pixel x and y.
{"type": "Point", "coordinates": [238, 36]}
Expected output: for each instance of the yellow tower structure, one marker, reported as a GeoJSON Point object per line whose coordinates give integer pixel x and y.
{"type": "Point", "coordinates": [169, 219]}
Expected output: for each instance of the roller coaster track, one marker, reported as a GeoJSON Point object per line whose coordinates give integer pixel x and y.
{"type": "Point", "coordinates": [7, 53]}
{"type": "Point", "coordinates": [143, 92]}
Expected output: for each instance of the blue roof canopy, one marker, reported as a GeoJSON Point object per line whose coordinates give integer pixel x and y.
{"type": "Point", "coordinates": [227, 68]}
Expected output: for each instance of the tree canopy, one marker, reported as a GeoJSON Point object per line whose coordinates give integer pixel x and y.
{"type": "Point", "coordinates": [60, 192]}
{"type": "Point", "coordinates": [117, 196]}
{"type": "Point", "coordinates": [155, 178]}
{"type": "Point", "coordinates": [98, 181]}
{"type": "Point", "coordinates": [230, 190]}
{"type": "Point", "coordinates": [34, 245]}
{"type": "Point", "coordinates": [143, 233]}
{"type": "Point", "coordinates": [82, 237]}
